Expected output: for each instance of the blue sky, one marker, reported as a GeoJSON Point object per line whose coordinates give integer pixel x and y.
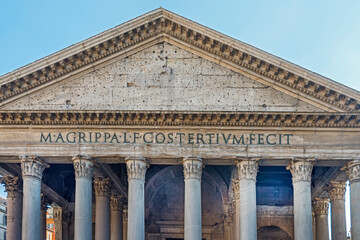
{"type": "Point", "coordinates": [322, 36]}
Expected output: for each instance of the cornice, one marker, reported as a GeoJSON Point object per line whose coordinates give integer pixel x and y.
{"type": "Point", "coordinates": [175, 118]}
{"type": "Point", "coordinates": [162, 22]}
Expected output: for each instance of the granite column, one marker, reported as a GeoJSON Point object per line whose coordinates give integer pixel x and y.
{"type": "Point", "coordinates": [301, 169]}
{"type": "Point", "coordinates": [247, 170]}
{"type": "Point", "coordinates": [32, 169]}
{"type": "Point", "coordinates": [136, 170]}
{"type": "Point", "coordinates": [321, 207]}
{"type": "Point", "coordinates": [116, 222]}
{"type": "Point", "coordinates": [337, 200]}
{"type": "Point", "coordinates": [353, 171]}
{"type": "Point", "coordinates": [83, 166]}
{"type": "Point", "coordinates": [192, 174]}
{"type": "Point", "coordinates": [13, 187]}
{"type": "Point", "coordinates": [102, 201]}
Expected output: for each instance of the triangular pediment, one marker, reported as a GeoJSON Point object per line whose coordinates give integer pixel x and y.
{"type": "Point", "coordinates": [223, 74]}
{"type": "Point", "coordinates": [162, 77]}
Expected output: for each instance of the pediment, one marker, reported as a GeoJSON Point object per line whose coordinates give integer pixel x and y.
{"type": "Point", "coordinates": [162, 77]}
{"type": "Point", "coordinates": [223, 74]}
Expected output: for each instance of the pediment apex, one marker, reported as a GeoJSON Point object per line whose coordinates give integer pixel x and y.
{"type": "Point", "coordinates": [161, 23]}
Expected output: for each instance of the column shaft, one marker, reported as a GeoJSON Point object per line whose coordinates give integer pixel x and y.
{"type": "Point", "coordinates": [116, 218]}
{"type": "Point", "coordinates": [102, 216]}
{"type": "Point", "coordinates": [136, 214]}
{"type": "Point", "coordinates": [301, 172]}
{"type": "Point", "coordinates": [321, 206]}
{"type": "Point", "coordinates": [83, 198]}
{"type": "Point", "coordinates": [32, 169]}
{"type": "Point", "coordinates": [355, 209]}
{"type": "Point", "coordinates": [302, 210]}
{"type": "Point", "coordinates": [353, 171]}
{"type": "Point", "coordinates": [192, 209]}
{"type": "Point", "coordinates": [13, 188]}
{"type": "Point", "coordinates": [136, 169]}
{"type": "Point", "coordinates": [192, 222]}
{"type": "Point", "coordinates": [14, 218]}
{"type": "Point", "coordinates": [247, 171]}
{"type": "Point", "coordinates": [247, 209]}
{"type": "Point", "coordinates": [338, 220]}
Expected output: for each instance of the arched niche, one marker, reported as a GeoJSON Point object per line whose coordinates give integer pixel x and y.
{"type": "Point", "coordinates": [164, 196]}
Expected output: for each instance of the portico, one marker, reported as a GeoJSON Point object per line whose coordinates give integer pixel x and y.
{"type": "Point", "coordinates": [163, 129]}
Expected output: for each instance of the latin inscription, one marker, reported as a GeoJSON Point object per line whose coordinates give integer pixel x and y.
{"type": "Point", "coordinates": [167, 138]}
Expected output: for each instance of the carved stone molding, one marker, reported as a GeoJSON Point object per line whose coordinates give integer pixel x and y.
{"type": "Point", "coordinates": [235, 188]}
{"type": "Point", "coordinates": [84, 166]}
{"type": "Point", "coordinates": [32, 166]}
{"type": "Point", "coordinates": [13, 186]}
{"type": "Point", "coordinates": [337, 190]}
{"type": "Point", "coordinates": [116, 202]}
{"type": "Point", "coordinates": [102, 186]}
{"type": "Point", "coordinates": [301, 169]}
{"type": "Point", "coordinates": [321, 206]}
{"type": "Point", "coordinates": [181, 118]}
{"type": "Point", "coordinates": [165, 26]}
{"type": "Point", "coordinates": [192, 168]}
{"type": "Point", "coordinates": [352, 169]}
{"type": "Point", "coordinates": [136, 167]}
{"type": "Point", "coordinates": [247, 168]}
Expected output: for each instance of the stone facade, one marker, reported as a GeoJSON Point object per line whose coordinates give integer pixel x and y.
{"type": "Point", "coordinates": [163, 129]}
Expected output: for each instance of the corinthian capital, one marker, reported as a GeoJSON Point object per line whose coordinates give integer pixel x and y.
{"type": "Point", "coordinates": [13, 186]}
{"type": "Point", "coordinates": [247, 168]}
{"type": "Point", "coordinates": [321, 206]}
{"type": "Point", "coordinates": [84, 166]}
{"type": "Point", "coordinates": [32, 166]}
{"type": "Point", "coordinates": [136, 167]}
{"type": "Point", "coordinates": [337, 190]}
{"type": "Point", "coordinates": [352, 169]}
{"type": "Point", "coordinates": [192, 168]}
{"type": "Point", "coordinates": [102, 186]}
{"type": "Point", "coordinates": [301, 169]}
{"type": "Point", "coordinates": [116, 202]}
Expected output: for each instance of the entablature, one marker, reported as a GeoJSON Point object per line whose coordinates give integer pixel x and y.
{"type": "Point", "coordinates": [181, 118]}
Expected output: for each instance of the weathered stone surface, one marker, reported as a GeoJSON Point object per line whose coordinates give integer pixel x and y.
{"type": "Point", "coordinates": [162, 77]}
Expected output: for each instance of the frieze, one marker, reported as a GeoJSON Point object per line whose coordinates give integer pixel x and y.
{"type": "Point", "coordinates": [181, 118]}
{"type": "Point", "coordinates": [180, 138]}
{"type": "Point", "coordinates": [164, 26]}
